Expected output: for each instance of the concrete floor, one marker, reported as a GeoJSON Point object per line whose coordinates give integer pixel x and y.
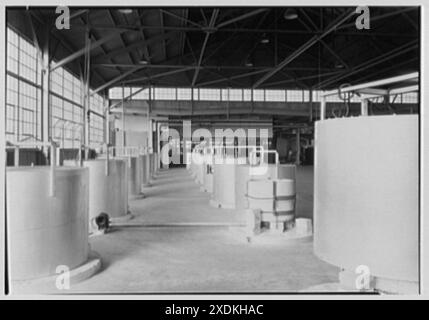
{"type": "Point", "coordinates": [161, 258]}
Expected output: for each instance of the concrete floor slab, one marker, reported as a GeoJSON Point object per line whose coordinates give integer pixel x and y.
{"type": "Point", "coordinates": [193, 259]}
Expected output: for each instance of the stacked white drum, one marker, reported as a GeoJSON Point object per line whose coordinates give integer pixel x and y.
{"type": "Point", "coordinates": [276, 199]}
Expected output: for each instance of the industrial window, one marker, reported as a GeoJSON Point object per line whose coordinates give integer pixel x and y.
{"type": "Point", "coordinates": [22, 112]}
{"type": "Point", "coordinates": [234, 95]}
{"type": "Point", "coordinates": [209, 94]}
{"type": "Point", "coordinates": [96, 119]}
{"type": "Point", "coordinates": [96, 103]}
{"type": "Point", "coordinates": [306, 97]}
{"type": "Point", "coordinates": [66, 100]}
{"type": "Point", "coordinates": [115, 93]}
{"type": "Point", "coordinates": [317, 94]}
{"type": "Point", "coordinates": [275, 95]}
{"type": "Point", "coordinates": [196, 94]}
{"type": "Point", "coordinates": [410, 97]}
{"type": "Point", "coordinates": [247, 94]}
{"type": "Point", "coordinates": [165, 93]}
{"type": "Point", "coordinates": [294, 96]}
{"type": "Point", "coordinates": [184, 94]}
{"type": "Point", "coordinates": [258, 95]}
{"type": "Point", "coordinates": [142, 95]}
{"type": "Point", "coordinates": [334, 98]}
{"type": "Point", "coordinates": [96, 130]}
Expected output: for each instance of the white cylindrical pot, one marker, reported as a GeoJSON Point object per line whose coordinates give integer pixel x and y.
{"type": "Point", "coordinates": [46, 232]}
{"type": "Point", "coordinates": [275, 198]}
{"type": "Point", "coordinates": [264, 171]}
{"type": "Point", "coordinates": [366, 197]}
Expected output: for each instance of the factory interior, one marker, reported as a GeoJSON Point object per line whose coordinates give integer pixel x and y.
{"type": "Point", "coordinates": [212, 150]}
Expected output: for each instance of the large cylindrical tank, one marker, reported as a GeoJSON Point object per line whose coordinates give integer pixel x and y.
{"type": "Point", "coordinates": [46, 232]}
{"type": "Point", "coordinates": [224, 181]}
{"type": "Point", "coordinates": [366, 201]}
{"type": "Point", "coordinates": [135, 168]}
{"type": "Point", "coordinates": [224, 184]}
{"type": "Point", "coordinates": [207, 181]}
{"type": "Point", "coordinates": [146, 170]}
{"type": "Point", "coordinates": [152, 165]}
{"type": "Point", "coordinates": [242, 176]}
{"type": "Point", "coordinates": [108, 190]}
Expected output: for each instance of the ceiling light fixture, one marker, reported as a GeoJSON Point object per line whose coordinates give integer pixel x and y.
{"type": "Point", "coordinates": [126, 11]}
{"type": "Point", "coordinates": [291, 14]}
{"type": "Point", "coordinates": [339, 65]}
{"type": "Point", "coordinates": [265, 39]}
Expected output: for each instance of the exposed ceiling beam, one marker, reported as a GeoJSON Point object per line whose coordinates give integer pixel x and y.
{"type": "Point", "coordinates": [243, 16]}
{"type": "Point", "coordinates": [243, 75]}
{"type": "Point", "coordinates": [127, 97]}
{"type": "Point", "coordinates": [316, 29]}
{"type": "Point", "coordinates": [232, 67]}
{"type": "Point", "coordinates": [136, 28]}
{"type": "Point", "coordinates": [143, 37]}
{"type": "Point", "coordinates": [135, 45]}
{"type": "Point", "coordinates": [120, 36]}
{"type": "Point", "coordinates": [159, 75]}
{"type": "Point", "coordinates": [344, 17]}
{"type": "Point", "coordinates": [181, 18]}
{"type": "Point", "coordinates": [370, 63]}
{"type": "Point", "coordinates": [164, 44]}
{"type": "Point", "coordinates": [81, 52]}
{"type": "Point", "coordinates": [206, 39]}
{"type": "Point", "coordinates": [116, 79]}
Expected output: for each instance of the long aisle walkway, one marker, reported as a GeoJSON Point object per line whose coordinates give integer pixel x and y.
{"type": "Point", "coordinates": [153, 254]}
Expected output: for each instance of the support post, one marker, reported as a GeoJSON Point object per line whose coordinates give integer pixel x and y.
{"type": "Point", "coordinates": [123, 116]}
{"type": "Point", "coordinates": [322, 108]}
{"type": "Point", "coordinates": [87, 94]}
{"type": "Point", "coordinates": [46, 104]}
{"type": "Point", "coordinates": [364, 107]}
{"type": "Point", "coordinates": [298, 147]}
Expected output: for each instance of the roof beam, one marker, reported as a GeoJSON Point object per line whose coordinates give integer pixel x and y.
{"type": "Point", "coordinates": [115, 80]}
{"type": "Point", "coordinates": [159, 75]}
{"type": "Point", "coordinates": [316, 29]}
{"type": "Point", "coordinates": [181, 18]}
{"type": "Point", "coordinates": [81, 52]}
{"type": "Point", "coordinates": [135, 45]}
{"type": "Point", "coordinates": [344, 17]}
{"type": "Point", "coordinates": [120, 36]}
{"type": "Point", "coordinates": [132, 94]}
{"type": "Point", "coordinates": [164, 44]}
{"type": "Point", "coordinates": [206, 39]}
{"type": "Point", "coordinates": [365, 86]}
{"type": "Point", "coordinates": [143, 37]}
{"type": "Point", "coordinates": [370, 63]}
{"type": "Point", "coordinates": [243, 16]}
{"type": "Point", "coordinates": [243, 75]}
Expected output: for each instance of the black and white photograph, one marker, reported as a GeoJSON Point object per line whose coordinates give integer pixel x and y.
{"type": "Point", "coordinates": [200, 149]}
